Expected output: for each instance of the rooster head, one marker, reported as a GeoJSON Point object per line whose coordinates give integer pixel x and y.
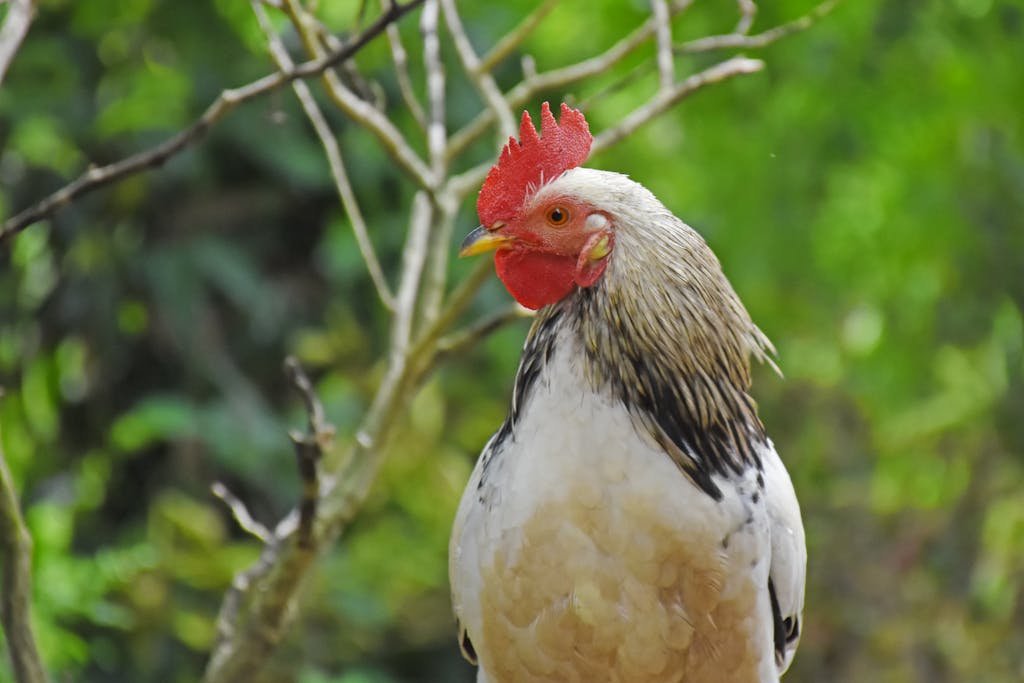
{"type": "Point", "coordinates": [547, 242]}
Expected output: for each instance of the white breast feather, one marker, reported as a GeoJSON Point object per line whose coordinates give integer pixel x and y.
{"type": "Point", "coordinates": [569, 436]}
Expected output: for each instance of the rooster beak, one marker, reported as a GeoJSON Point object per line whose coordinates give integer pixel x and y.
{"type": "Point", "coordinates": [481, 240]}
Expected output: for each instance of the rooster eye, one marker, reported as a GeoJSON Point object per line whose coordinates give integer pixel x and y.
{"type": "Point", "coordinates": [558, 216]}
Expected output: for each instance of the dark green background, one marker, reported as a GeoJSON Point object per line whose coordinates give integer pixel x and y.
{"type": "Point", "coordinates": [865, 194]}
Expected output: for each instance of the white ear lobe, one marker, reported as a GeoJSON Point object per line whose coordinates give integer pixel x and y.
{"type": "Point", "coordinates": [596, 221]}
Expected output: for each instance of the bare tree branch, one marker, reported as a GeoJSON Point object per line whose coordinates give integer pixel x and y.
{"type": "Point", "coordinates": [437, 134]}
{"type": "Point", "coordinates": [16, 590]}
{"type": "Point", "coordinates": [456, 303]}
{"type": "Point", "coordinates": [414, 256]}
{"type": "Point", "coordinates": [665, 99]}
{"type": "Point", "coordinates": [454, 344]}
{"type": "Point", "coordinates": [741, 41]}
{"type": "Point", "coordinates": [558, 79]}
{"type": "Point", "coordinates": [260, 604]}
{"type": "Point", "coordinates": [748, 11]}
{"type": "Point", "coordinates": [309, 448]}
{"type": "Point", "coordinates": [632, 76]}
{"type": "Point", "coordinates": [334, 160]}
{"type": "Point", "coordinates": [436, 275]}
{"type": "Point", "coordinates": [19, 18]}
{"type": "Point", "coordinates": [483, 80]}
{"type": "Point", "coordinates": [229, 99]}
{"type": "Point", "coordinates": [359, 110]}
{"type": "Point", "coordinates": [431, 286]}
{"type": "Point", "coordinates": [240, 512]}
{"type": "Point", "coordinates": [663, 41]}
{"type": "Point", "coordinates": [514, 38]}
{"type": "Point", "coordinates": [401, 60]}
{"type": "Point", "coordinates": [464, 183]}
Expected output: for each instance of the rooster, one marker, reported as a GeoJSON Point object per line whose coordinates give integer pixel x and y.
{"type": "Point", "coordinates": [630, 521]}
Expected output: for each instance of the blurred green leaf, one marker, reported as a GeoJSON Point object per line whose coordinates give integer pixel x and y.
{"type": "Point", "coordinates": [42, 142]}
{"type": "Point", "coordinates": [155, 418]}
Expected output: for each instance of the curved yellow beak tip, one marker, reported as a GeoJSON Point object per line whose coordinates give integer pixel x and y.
{"type": "Point", "coordinates": [482, 240]}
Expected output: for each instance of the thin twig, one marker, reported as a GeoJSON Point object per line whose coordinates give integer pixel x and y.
{"type": "Point", "coordinates": [748, 11]}
{"type": "Point", "coordinates": [16, 590]}
{"type": "Point", "coordinates": [719, 42]}
{"type": "Point", "coordinates": [401, 60]}
{"type": "Point", "coordinates": [344, 494]}
{"type": "Point", "coordinates": [437, 135]}
{"type": "Point", "coordinates": [464, 183]}
{"type": "Point", "coordinates": [666, 99]}
{"type": "Point", "coordinates": [455, 304]}
{"type": "Point", "coordinates": [309, 448]}
{"type": "Point", "coordinates": [19, 18]}
{"type": "Point", "coordinates": [529, 66]}
{"type": "Point", "coordinates": [229, 99]}
{"type": "Point", "coordinates": [624, 81]}
{"type": "Point", "coordinates": [334, 160]}
{"type": "Point", "coordinates": [258, 606]}
{"type": "Point", "coordinates": [739, 41]}
{"type": "Point", "coordinates": [482, 80]}
{"type": "Point", "coordinates": [558, 79]}
{"type": "Point", "coordinates": [454, 344]}
{"type": "Point", "coordinates": [363, 88]}
{"type": "Point", "coordinates": [438, 244]}
{"type": "Point", "coordinates": [266, 592]}
{"type": "Point", "coordinates": [461, 185]}
{"type": "Point", "coordinates": [359, 110]}
{"type": "Point", "coordinates": [240, 512]}
{"type": "Point", "coordinates": [514, 38]}
{"type": "Point", "coordinates": [414, 256]}
{"type": "Point", "coordinates": [438, 251]}
{"type": "Point", "coordinates": [663, 41]}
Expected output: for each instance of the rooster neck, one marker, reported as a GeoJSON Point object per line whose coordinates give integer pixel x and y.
{"type": "Point", "coordinates": [682, 380]}
{"type": "Point", "coordinates": [677, 360]}
{"type": "Point", "coordinates": [662, 332]}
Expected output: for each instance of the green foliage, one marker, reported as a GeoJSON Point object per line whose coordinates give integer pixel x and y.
{"type": "Point", "coordinates": [865, 194]}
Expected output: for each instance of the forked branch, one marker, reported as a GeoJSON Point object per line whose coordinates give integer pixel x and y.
{"type": "Point", "coordinates": [561, 78]}
{"type": "Point", "coordinates": [355, 107]}
{"type": "Point", "coordinates": [482, 79]}
{"type": "Point", "coordinates": [154, 157]}
{"type": "Point", "coordinates": [514, 38]}
{"type": "Point", "coordinates": [260, 603]}
{"type": "Point", "coordinates": [669, 97]}
{"type": "Point", "coordinates": [742, 41]}
{"type": "Point", "coordinates": [334, 159]}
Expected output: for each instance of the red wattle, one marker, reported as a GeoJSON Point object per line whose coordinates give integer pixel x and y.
{"type": "Point", "coordinates": [535, 278]}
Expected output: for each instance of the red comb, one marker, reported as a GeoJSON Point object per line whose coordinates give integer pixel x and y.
{"type": "Point", "coordinates": [532, 161]}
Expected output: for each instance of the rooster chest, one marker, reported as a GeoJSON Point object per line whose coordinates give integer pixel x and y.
{"type": "Point", "coordinates": [587, 555]}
